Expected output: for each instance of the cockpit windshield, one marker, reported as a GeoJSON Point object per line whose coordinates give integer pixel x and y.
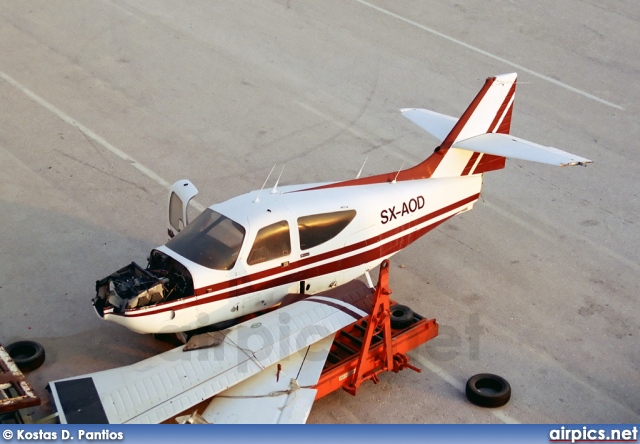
{"type": "Point", "coordinates": [211, 240]}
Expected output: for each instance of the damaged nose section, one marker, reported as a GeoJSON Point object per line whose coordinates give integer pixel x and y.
{"type": "Point", "coordinates": [132, 287]}
{"type": "Point", "coordinates": [129, 287]}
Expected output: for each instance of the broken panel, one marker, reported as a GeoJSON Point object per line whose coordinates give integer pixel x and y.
{"type": "Point", "coordinates": [132, 286]}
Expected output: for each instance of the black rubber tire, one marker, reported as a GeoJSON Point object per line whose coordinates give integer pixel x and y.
{"type": "Point", "coordinates": [401, 316]}
{"type": "Point", "coordinates": [28, 355]}
{"type": "Point", "coordinates": [488, 390]}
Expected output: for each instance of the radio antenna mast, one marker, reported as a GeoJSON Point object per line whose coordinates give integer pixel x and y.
{"type": "Point", "coordinates": [398, 173]}
{"type": "Point", "coordinates": [274, 191]}
{"type": "Point", "coordinates": [265, 182]}
{"type": "Point", "coordinates": [362, 167]}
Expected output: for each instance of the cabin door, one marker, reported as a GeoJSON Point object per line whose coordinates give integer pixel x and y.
{"type": "Point", "coordinates": [180, 194]}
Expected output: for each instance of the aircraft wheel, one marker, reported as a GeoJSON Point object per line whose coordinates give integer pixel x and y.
{"type": "Point", "coordinates": [488, 390]}
{"type": "Point", "coordinates": [28, 355]}
{"type": "Point", "coordinates": [401, 316]}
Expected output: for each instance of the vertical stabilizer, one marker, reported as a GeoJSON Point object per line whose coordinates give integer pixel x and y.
{"type": "Point", "coordinates": [489, 112]}
{"type": "Point", "coordinates": [480, 140]}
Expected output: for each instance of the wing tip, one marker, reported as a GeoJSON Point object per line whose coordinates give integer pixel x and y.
{"type": "Point", "coordinates": [582, 162]}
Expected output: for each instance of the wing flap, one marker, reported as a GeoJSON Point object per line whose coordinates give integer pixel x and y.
{"type": "Point", "coordinates": [270, 397]}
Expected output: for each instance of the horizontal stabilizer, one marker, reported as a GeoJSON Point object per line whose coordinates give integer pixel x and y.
{"type": "Point", "coordinates": [506, 145]}
{"type": "Point", "coordinates": [436, 124]}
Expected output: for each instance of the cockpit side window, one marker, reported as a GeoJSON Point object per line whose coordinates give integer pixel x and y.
{"type": "Point", "coordinates": [317, 229]}
{"type": "Point", "coordinates": [211, 240]}
{"type": "Point", "coordinates": [175, 212]}
{"type": "Point", "coordinates": [272, 242]}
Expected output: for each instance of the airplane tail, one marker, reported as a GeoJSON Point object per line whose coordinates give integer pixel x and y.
{"type": "Point", "coordinates": [479, 141]}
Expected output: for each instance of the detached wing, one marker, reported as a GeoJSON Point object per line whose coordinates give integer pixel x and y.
{"type": "Point", "coordinates": [158, 388]}
{"type": "Point", "coordinates": [277, 395]}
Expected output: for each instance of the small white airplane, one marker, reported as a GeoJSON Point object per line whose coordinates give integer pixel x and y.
{"type": "Point", "coordinates": [248, 253]}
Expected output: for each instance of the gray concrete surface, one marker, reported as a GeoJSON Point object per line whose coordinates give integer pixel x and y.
{"type": "Point", "coordinates": [539, 283]}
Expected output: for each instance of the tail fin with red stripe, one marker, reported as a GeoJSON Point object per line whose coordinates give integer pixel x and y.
{"type": "Point", "coordinates": [479, 141]}
{"type": "Point", "coordinates": [489, 112]}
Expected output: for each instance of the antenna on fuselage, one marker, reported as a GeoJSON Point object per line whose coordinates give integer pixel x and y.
{"type": "Point", "coordinates": [265, 182]}
{"type": "Point", "coordinates": [398, 173]}
{"type": "Point", "coordinates": [274, 191]}
{"type": "Point", "coordinates": [362, 167]}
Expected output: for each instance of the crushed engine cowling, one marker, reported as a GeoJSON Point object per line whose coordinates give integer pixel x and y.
{"type": "Point", "coordinates": [164, 279]}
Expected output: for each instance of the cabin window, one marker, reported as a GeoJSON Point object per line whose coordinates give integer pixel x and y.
{"type": "Point", "coordinates": [272, 242]}
{"type": "Point", "coordinates": [175, 212]}
{"type": "Point", "coordinates": [211, 240]}
{"type": "Point", "coordinates": [319, 228]}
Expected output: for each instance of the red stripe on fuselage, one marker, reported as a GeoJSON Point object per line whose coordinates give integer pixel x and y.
{"type": "Point", "coordinates": [340, 264]}
{"type": "Point", "coordinates": [501, 112]}
{"type": "Point", "coordinates": [470, 164]}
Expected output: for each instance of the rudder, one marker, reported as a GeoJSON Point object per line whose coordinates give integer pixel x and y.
{"type": "Point", "coordinates": [489, 112]}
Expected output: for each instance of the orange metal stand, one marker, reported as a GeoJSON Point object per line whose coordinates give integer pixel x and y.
{"type": "Point", "coordinates": [366, 348]}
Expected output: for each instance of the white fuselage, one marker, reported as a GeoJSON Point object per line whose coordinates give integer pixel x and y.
{"type": "Point", "coordinates": [251, 254]}
{"type": "Point", "coordinates": [389, 216]}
